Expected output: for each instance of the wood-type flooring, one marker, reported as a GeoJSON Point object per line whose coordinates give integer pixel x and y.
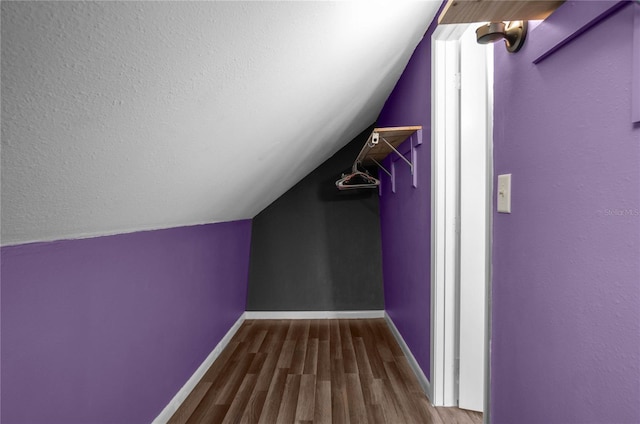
{"type": "Point", "coordinates": [313, 371]}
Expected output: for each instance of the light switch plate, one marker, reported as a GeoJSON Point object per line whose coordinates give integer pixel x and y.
{"type": "Point", "coordinates": [504, 193]}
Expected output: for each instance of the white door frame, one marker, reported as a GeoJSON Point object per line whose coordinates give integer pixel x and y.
{"type": "Point", "coordinates": [475, 140]}
{"type": "Point", "coordinates": [445, 124]}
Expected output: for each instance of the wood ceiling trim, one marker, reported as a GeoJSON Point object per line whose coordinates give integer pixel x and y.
{"type": "Point", "coordinates": [469, 11]}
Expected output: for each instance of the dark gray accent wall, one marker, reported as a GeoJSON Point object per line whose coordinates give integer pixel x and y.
{"type": "Point", "coordinates": [317, 248]}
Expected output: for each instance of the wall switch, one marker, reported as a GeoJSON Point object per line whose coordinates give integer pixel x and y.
{"type": "Point", "coordinates": [504, 193]}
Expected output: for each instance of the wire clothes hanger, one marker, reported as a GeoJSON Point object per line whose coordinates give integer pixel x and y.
{"type": "Point", "coordinates": [357, 179]}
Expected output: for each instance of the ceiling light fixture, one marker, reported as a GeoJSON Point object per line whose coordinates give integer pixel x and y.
{"type": "Point", "coordinates": [514, 34]}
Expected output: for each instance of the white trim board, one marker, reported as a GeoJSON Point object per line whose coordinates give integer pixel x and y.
{"type": "Point", "coordinates": [445, 127]}
{"type": "Point", "coordinates": [182, 394]}
{"type": "Point", "coordinates": [422, 379]}
{"type": "Point", "coordinates": [314, 314]}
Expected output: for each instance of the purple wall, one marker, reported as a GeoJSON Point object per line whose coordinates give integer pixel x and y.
{"type": "Point", "coordinates": [566, 267]}
{"type": "Point", "coordinates": [108, 329]}
{"type": "Point", "coordinates": [405, 216]}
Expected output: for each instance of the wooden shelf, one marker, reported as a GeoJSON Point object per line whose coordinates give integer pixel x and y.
{"type": "Point", "coordinates": [380, 144]}
{"type": "Point", "coordinates": [469, 11]}
{"type": "Point", "coordinates": [394, 135]}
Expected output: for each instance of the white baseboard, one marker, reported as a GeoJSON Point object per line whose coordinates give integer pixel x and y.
{"type": "Point", "coordinates": [314, 314]}
{"type": "Point", "coordinates": [422, 379]}
{"type": "Point", "coordinates": [182, 394]}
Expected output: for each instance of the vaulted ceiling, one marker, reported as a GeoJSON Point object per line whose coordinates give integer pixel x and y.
{"type": "Point", "coordinates": [125, 116]}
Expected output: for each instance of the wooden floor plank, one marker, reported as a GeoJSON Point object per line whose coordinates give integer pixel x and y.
{"type": "Point", "coordinates": [286, 355]}
{"type": "Point", "coordinates": [214, 414]}
{"type": "Point", "coordinates": [349, 358]}
{"type": "Point", "coordinates": [219, 377]}
{"type": "Point", "coordinates": [313, 371]}
{"type": "Point", "coordinates": [390, 407]}
{"type": "Point", "coordinates": [385, 333]}
{"type": "Point", "coordinates": [434, 417]}
{"type": "Point", "coordinates": [274, 397]}
{"type": "Point", "coordinates": [375, 414]}
{"type": "Point", "coordinates": [324, 361]}
{"type": "Point", "coordinates": [272, 348]}
{"type": "Point", "coordinates": [402, 395]}
{"type": "Point", "coordinates": [322, 408]}
{"type": "Point", "coordinates": [293, 330]}
{"type": "Point", "coordinates": [355, 328]}
{"type": "Point", "coordinates": [311, 357]}
{"type": "Point", "coordinates": [254, 347]}
{"type": "Point", "coordinates": [314, 329]}
{"type": "Point", "coordinates": [362, 359]}
{"type": "Point", "coordinates": [448, 415]}
{"type": "Point", "coordinates": [239, 403]}
{"type": "Point", "coordinates": [189, 405]}
{"type": "Point", "coordinates": [300, 352]}
{"type": "Point", "coordinates": [324, 329]}
{"type": "Point", "coordinates": [339, 405]}
{"type": "Point", "coordinates": [368, 395]}
{"type": "Point", "coordinates": [384, 352]}
{"type": "Point", "coordinates": [229, 390]}
{"type": "Point", "coordinates": [289, 403]}
{"type": "Point", "coordinates": [370, 341]}
{"type": "Point", "coordinates": [334, 339]}
{"type": "Point", "coordinates": [256, 365]}
{"type": "Point", "coordinates": [345, 334]}
{"type": "Point", "coordinates": [254, 407]}
{"type": "Point", "coordinates": [357, 408]}
{"type": "Point", "coordinates": [475, 416]}
{"type": "Point", "coordinates": [306, 398]}
{"type": "Point", "coordinates": [408, 377]}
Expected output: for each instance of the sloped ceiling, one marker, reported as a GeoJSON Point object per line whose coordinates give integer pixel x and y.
{"type": "Point", "coordinates": [124, 116]}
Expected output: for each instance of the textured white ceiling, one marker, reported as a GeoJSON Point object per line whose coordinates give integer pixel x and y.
{"type": "Point", "coordinates": [123, 116]}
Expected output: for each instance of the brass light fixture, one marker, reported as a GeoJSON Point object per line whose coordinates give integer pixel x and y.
{"type": "Point", "coordinates": [514, 33]}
